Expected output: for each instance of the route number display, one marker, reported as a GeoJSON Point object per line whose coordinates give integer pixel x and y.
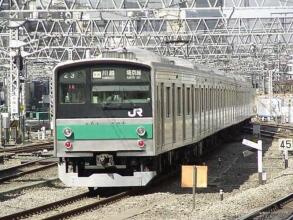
{"type": "Point", "coordinates": [286, 143]}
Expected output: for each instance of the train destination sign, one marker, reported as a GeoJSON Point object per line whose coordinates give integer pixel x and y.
{"type": "Point", "coordinates": [133, 74]}
{"type": "Point", "coordinates": [104, 74]}
{"type": "Point", "coordinates": [116, 74]}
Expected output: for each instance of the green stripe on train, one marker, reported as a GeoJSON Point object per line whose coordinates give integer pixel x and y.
{"type": "Point", "coordinates": [105, 131]}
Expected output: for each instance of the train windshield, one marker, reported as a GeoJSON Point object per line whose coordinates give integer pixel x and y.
{"type": "Point", "coordinates": [120, 86]}
{"type": "Point", "coordinates": [103, 90]}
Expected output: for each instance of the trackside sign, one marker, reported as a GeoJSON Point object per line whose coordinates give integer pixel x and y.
{"type": "Point", "coordinates": [286, 144]}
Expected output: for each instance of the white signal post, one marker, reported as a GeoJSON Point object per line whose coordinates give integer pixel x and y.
{"type": "Point", "coordinates": [257, 146]}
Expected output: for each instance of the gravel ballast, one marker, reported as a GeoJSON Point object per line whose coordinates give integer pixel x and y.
{"type": "Point", "coordinates": [34, 197]}
{"type": "Point", "coordinates": [236, 175]}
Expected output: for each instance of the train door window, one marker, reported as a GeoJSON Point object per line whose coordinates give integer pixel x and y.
{"type": "Point", "coordinates": [184, 110]}
{"type": "Point", "coordinates": [206, 99]}
{"type": "Point", "coordinates": [208, 108]}
{"type": "Point", "coordinates": [204, 108]}
{"type": "Point", "coordinates": [225, 96]}
{"type": "Point", "coordinates": [210, 102]}
{"type": "Point", "coordinates": [162, 115]}
{"type": "Point", "coordinates": [232, 104]}
{"type": "Point", "coordinates": [179, 101]}
{"type": "Point", "coordinates": [228, 103]}
{"type": "Point", "coordinates": [188, 100]}
{"type": "Point", "coordinates": [229, 100]}
{"type": "Point", "coordinates": [199, 106]}
{"type": "Point", "coordinates": [221, 106]}
{"type": "Point", "coordinates": [202, 100]}
{"type": "Point", "coordinates": [183, 100]}
{"type": "Point", "coordinates": [173, 112]}
{"type": "Point", "coordinates": [158, 112]}
{"type": "Point", "coordinates": [233, 95]}
{"type": "Point", "coordinates": [196, 101]}
{"type": "Point", "coordinates": [218, 106]}
{"type": "Point", "coordinates": [168, 102]}
{"type": "Point", "coordinates": [192, 108]}
{"type": "Point", "coordinates": [213, 107]}
{"type": "Point", "coordinates": [72, 87]}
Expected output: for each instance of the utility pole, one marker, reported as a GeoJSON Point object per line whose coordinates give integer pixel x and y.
{"type": "Point", "coordinates": [16, 94]}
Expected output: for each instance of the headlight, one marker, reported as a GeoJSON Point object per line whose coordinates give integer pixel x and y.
{"type": "Point", "coordinates": [140, 131]}
{"type": "Point", "coordinates": [67, 132]}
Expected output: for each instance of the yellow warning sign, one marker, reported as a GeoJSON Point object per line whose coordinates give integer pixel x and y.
{"type": "Point", "coordinates": [21, 108]}
{"type": "Point", "coordinates": [197, 173]}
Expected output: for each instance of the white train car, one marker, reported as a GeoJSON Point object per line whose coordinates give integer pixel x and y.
{"type": "Point", "coordinates": [130, 114]}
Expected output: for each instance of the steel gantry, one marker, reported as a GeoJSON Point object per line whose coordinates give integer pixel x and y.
{"type": "Point", "coordinates": [237, 36]}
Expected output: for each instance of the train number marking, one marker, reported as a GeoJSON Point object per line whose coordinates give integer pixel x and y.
{"type": "Point", "coordinates": [285, 143]}
{"type": "Point", "coordinates": [135, 112]}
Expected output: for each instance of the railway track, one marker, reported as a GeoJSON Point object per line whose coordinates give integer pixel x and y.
{"type": "Point", "coordinates": [281, 209]}
{"type": "Point", "coordinates": [28, 148]}
{"type": "Point", "coordinates": [271, 134]}
{"type": "Point", "coordinates": [282, 126]}
{"type": "Point", "coordinates": [16, 171]}
{"type": "Point", "coordinates": [42, 210]}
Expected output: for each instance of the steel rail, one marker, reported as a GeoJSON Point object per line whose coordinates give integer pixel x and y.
{"type": "Point", "coordinates": [88, 207]}
{"type": "Point", "coordinates": [288, 127]}
{"type": "Point", "coordinates": [27, 148]}
{"type": "Point", "coordinates": [270, 133]}
{"type": "Point", "coordinates": [14, 168]}
{"type": "Point", "coordinates": [114, 198]}
{"type": "Point", "coordinates": [273, 207]}
{"type": "Point", "coordinates": [94, 205]}
{"type": "Point", "coordinates": [45, 208]}
{"type": "Point", "coordinates": [13, 176]}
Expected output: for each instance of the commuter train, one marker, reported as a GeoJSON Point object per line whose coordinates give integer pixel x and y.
{"type": "Point", "coordinates": [124, 117]}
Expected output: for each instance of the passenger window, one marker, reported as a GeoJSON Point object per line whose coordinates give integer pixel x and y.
{"type": "Point", "coordinates": [209, 99]}
{"type": "Point", "coordinates": [188, 101]}
{"type": "Point", "coordinates": [206, 99]}
{"type": "Point", "coordinates": [202, 99]}
{"type": "Point", "coordinates": [179, 101]}
{"type": "Point", "coordinates": [168, 102]}
{"type": "Point", "coordinates": [195, 99]}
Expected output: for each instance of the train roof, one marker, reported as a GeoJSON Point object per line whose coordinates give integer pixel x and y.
{"type": "Point", "coordinates": [148, 57]}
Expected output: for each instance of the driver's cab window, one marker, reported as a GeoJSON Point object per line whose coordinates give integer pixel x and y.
{"type": "Point", "coordinates": [118, 85]}
{"type": "Point", "coordinates": [72, 87]}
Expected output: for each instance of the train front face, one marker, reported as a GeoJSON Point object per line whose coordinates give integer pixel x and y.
{"type": "Point", "coordinates": [103, 124]}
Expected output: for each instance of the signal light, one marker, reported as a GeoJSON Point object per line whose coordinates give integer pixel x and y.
{"type": "Point", "coordinates": [68, 144]}
{"type": "Point", "coordinates": [140, 143]}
